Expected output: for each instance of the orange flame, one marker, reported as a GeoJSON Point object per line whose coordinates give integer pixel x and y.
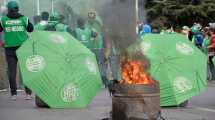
{"type": "Point", "coordinates": [133, 72]}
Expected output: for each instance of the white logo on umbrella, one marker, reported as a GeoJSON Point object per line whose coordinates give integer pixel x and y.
{"type": "Point", "coordinates": [83, 37]}
{"type": "Point", "coordinates": [69, 93]}
{"type": "Point", "coordinates": [35, 63]}
{"type": "Point", "coordinates": [91, 65]}
{"type": "Point", "coordinates": [57, 39]}
{"type": "Point", "coordinates": [184, 48]}
{"type": "Point", "coordinates": [182, 84]}
{"type": "Point", "coordinates": [145, 46]}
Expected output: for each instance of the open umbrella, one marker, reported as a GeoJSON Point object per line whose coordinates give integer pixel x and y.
{"type": "Point", "coordinates": [179, 66]}
{"type": "Point", "coordinates": [59, 69]}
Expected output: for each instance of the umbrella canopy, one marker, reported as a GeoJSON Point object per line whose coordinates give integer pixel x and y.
{"type": "Point", "coordinates": [59, 69]}
{"type": "Point", "coordinates": [177, 64]}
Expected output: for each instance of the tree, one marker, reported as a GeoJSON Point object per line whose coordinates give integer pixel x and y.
{"type": "Point", "coordinates": [180, 12]}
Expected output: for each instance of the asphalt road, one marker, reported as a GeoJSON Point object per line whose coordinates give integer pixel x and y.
{"type": "Point", "coordinates": [201, 107]}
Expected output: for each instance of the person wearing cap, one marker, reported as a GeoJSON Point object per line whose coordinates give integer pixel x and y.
{"type": "Point", "coordinates": [198, 37]}
{"type": "Point", "coordinates": [14, 27]}
{"type": "Point", "coordinates": [55, 23]}
{"type": "Point", "coordinates": [95, 24]}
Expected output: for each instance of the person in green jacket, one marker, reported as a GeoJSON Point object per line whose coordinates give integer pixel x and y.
{"type": "Point", "coordinates": [54, 23]}
{"type": "Point", "coordinates": [44, 21]}
{"type": "Point", "coordinates": [207, 41]}
{"type": "Point", "coordinates": [95, 23]}
{"type": "Point", "coordinates": [14, 27]}
{"type": "Point", "coordinates": [84, 34]}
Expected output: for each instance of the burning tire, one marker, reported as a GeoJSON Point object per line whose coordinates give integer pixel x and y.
{"type": "Point", "coordinates": [137, 95]}
{"type": "Point", "coordinates": [136, 102]}
{"type": "Point", "coordinates": [40, 103]}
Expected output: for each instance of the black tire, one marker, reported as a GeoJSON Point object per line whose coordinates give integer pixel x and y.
{"type": "Point", "coordinates": [40, 103]}
{"type": "Point", "coordinates": [184, 104]}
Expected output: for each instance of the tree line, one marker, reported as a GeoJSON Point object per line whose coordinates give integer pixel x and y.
{"type": "Point", "coordinates": [177, 13]}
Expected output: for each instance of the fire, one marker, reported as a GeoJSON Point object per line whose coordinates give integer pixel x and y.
{"type": "Point", "coordinates": [134, 72]}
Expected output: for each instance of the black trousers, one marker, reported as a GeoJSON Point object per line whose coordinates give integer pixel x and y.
{"type": "Point", "coordinates": [12, 60]}
{"type": "Point", "coordinates": [101, 64]}
{"type": "Point", "coordinates": [212, 67]}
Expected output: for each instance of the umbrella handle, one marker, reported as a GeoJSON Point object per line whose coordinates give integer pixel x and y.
{"type": "Point", "coordinates": [33, 43]}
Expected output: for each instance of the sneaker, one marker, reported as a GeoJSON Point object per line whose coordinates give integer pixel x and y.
{"type": "Point", "coordinates": [28, 97]}
{"type": "Point", "coordinates": [13, 97]}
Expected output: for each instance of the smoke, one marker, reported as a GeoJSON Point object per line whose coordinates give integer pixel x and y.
{"type": "Point", "coordinates": [119, 16]}
{"type": "Point", "coordinates": [81, 7]}
{"type": "Point", "coordinates": [73, 9]}
{"type": "Point", "coordinates": [142, 11]}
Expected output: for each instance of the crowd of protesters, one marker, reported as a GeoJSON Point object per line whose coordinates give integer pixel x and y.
{"type": "Point", "coordinates": [204, 39]}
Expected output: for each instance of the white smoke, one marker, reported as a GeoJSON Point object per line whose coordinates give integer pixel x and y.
{"type": "Point", "coordinates": [142, 11]}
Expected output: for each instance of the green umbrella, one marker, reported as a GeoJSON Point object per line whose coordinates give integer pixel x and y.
{"type": "Point", "coordinates": [59, 69]}
{"type": "Point", "coordinates": [177, 64]}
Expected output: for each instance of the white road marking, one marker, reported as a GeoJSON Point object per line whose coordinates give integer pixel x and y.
{"type": "Point", "coordinates": [204, 109]}
{"type": "Point", "coordinates": [3, 90]}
